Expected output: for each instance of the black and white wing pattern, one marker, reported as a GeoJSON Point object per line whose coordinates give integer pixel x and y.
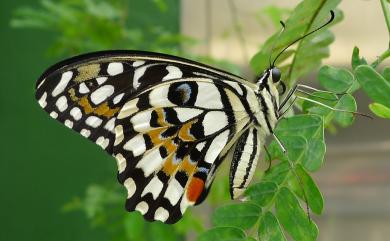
{"type": "Point", "coordinates": [169, 122]}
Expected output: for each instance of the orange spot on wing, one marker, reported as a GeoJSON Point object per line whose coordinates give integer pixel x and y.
{"type": "Point", "coordinates": [155, 136]}
{"type": "Point", "coordinates": [101, 110]}
{"type": "Point", "coordinates": [84, 103]}
{"type": "Point", "coordinates": [187, 166]}
{"type": "Point", "coordinates": [184, 132]}
{"type": "Point", "coordinates": [169, 167]}
{"type": "Point", "coordinates": [194, 189]}
{"type": "Point", "coordinates": [161, 117]}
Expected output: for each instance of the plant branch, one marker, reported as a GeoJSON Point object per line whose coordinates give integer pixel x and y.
{"type": "Point", "coordinates": [382, 57]}
{"type": "Point", "coordinates": [386, 13]}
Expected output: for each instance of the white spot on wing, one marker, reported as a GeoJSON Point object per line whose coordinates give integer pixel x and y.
{"type": "Point", "coordinates": [110, 125]}
{"type": "Point", "coordinates": [185, 203]}
{"type": "Point", "coordinates": [62, 103]}
{"type": "Point", "coordinates": [174, 192]}
{"type": "Point", "coordinates": [138, 63]}
{"type": "Point", "coordinates": [141, 121]}
{"type": "Point", "coordinates": [85, 133]}
{"type": "Point", "coordinates": [130, 186]}
{"type": "Point", "coordinates": [173, 73]}
{"type": "Point", "coordinates": [93, 121]}
{"type": "Point", "coordinates": [42, 101]}
{"type": "Point", "coordinates": [136, 145]}
{"type": "Point", "coordinates": [138, 74]}
{"type": "Point", "coordinates": [154, 187]}
{"type": "Point", "coordinates": [118, 98]}
{"type": "Point", "coordinates": [184, 114]}
{"type": "Point", "coordinates": [40, 84]}
{"type": "Point", "coordinates": [214, 121]}
{"type": "Point", "coordinates": [158, 97]}
{"type": "Point", "coordinates": [208, 96]}
{"type": "Point", "coordinates": [121, 162]}
{"type": "Point", "coordinates": [101, 80]}
{"type": "Point", "coordinates": [142, 207]}
{"type": "Point", "coordinates": [161, 214]}
{"type": "Point", "coordinates": [69, 123]}
{"type": "Point", "coordinates": [83, 89]}
{"type": "Point", "coordinates": [200, 146]}
{"type": "Point", "coordinates": [236, 86]}
{"type": "Point", "coordinates": [115, 68]}
{"type": "Point", "coordinates": [101, 94]}
{"type": "Point", "coordinates": [150, 162]}
{"type": "Point", "coordinates": [216, 146]}
{"type": "Point", "coordinates": [128, 109]}
{"type": "Point", "coordinates": [65, 78]}
{"type": "Point", "coordinates": [75, 112]}
{"type": "Point", "coordinates": [54, 114]}
{"type": "Point", "coordinates": [103, 142]}
{"type": "Point", "coordinates": [118, 134]}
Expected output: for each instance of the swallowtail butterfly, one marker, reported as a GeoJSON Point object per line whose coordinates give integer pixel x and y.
{"type": "Point", "coordinates": [169, 122]}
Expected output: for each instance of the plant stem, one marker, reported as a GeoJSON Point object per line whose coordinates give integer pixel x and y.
{"type": "Point", "coordinates": [386, 13]}
{"type": "Point", "coordinates": [382, 57]}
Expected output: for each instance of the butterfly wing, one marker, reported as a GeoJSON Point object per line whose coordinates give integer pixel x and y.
{"type": "Point", "coordinates": [168, 121]}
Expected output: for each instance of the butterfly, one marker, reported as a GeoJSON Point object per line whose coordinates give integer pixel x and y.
{"type": "Point", "coordinates": [168, 121]}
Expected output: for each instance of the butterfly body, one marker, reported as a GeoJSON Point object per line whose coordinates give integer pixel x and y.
{"type": "Point", "coordinates": [168, 121]}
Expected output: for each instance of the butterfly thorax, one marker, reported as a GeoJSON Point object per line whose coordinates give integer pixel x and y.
{"type": "Point", "coordinates": [268, 99]}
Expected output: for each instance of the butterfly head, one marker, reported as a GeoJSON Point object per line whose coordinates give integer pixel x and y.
{"type": "Point", "coordinates": [271, 79]}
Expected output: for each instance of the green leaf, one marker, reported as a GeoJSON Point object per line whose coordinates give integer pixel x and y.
{"type": "Point", "coordinates": [261, 193]}
{"type": "Point", "coordinates": [250, 239]}
{"type": "Point", "coordinates": [380, 110]}
{"type": "Point", "coordinates": [222, 234]}
{"type": "Point", "coordinates": [278, 173]}
{"type": "Point", "coordinates": [134, 226]}
{"type": "Point", "coordinates": [309, 151]}
{"type": "Point", "coordinates": [373, 84]}
{"type": "Point", "coordinates": [386, 73]}
{"type": "Point", "coordinates": [269, 228]}
{"type": "Point", "coordinates": [241, 215]}
{"type": "Point", "coordinates": [162, 232]}
{"type": "Point", "coordinates": [295, 146]}
{"type": "Point", "coordinates": [345, 102]}
{"type": "Point", "coordinates": [313, 194]}
{"type": "Point", "coordinates": [356, 60]}
{"type": "Point", "coordinates": [293, 218]}
{"type": "Point", "coordinates": [308, 126]}
{"type": "Point", "coordinates": [314, 156]}
{"type": "Point", "coordinates": [337, 80]}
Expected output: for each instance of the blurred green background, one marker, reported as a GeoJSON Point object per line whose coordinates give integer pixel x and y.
{"type": "Point", "coordinates": [42, 164]}
{"type": "Point", "coordinates": [55, 185]}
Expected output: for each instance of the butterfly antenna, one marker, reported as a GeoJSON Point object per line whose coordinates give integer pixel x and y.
{"type": "Point", "coordinates": [273, 45]}
{"type": "Point", "coordinates": [315, 30]}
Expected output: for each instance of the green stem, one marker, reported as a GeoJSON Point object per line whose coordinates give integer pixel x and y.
{"type": "Point", "coordinates": [386, 13]}
{"type": "Point", "coordinates": [382, 57]}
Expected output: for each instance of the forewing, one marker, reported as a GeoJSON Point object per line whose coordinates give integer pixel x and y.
{"type": "Point", "coordinates": [86, 92]}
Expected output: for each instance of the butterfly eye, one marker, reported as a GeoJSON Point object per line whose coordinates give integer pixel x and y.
{"type": "Point", "coordinates": [276, 75]}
